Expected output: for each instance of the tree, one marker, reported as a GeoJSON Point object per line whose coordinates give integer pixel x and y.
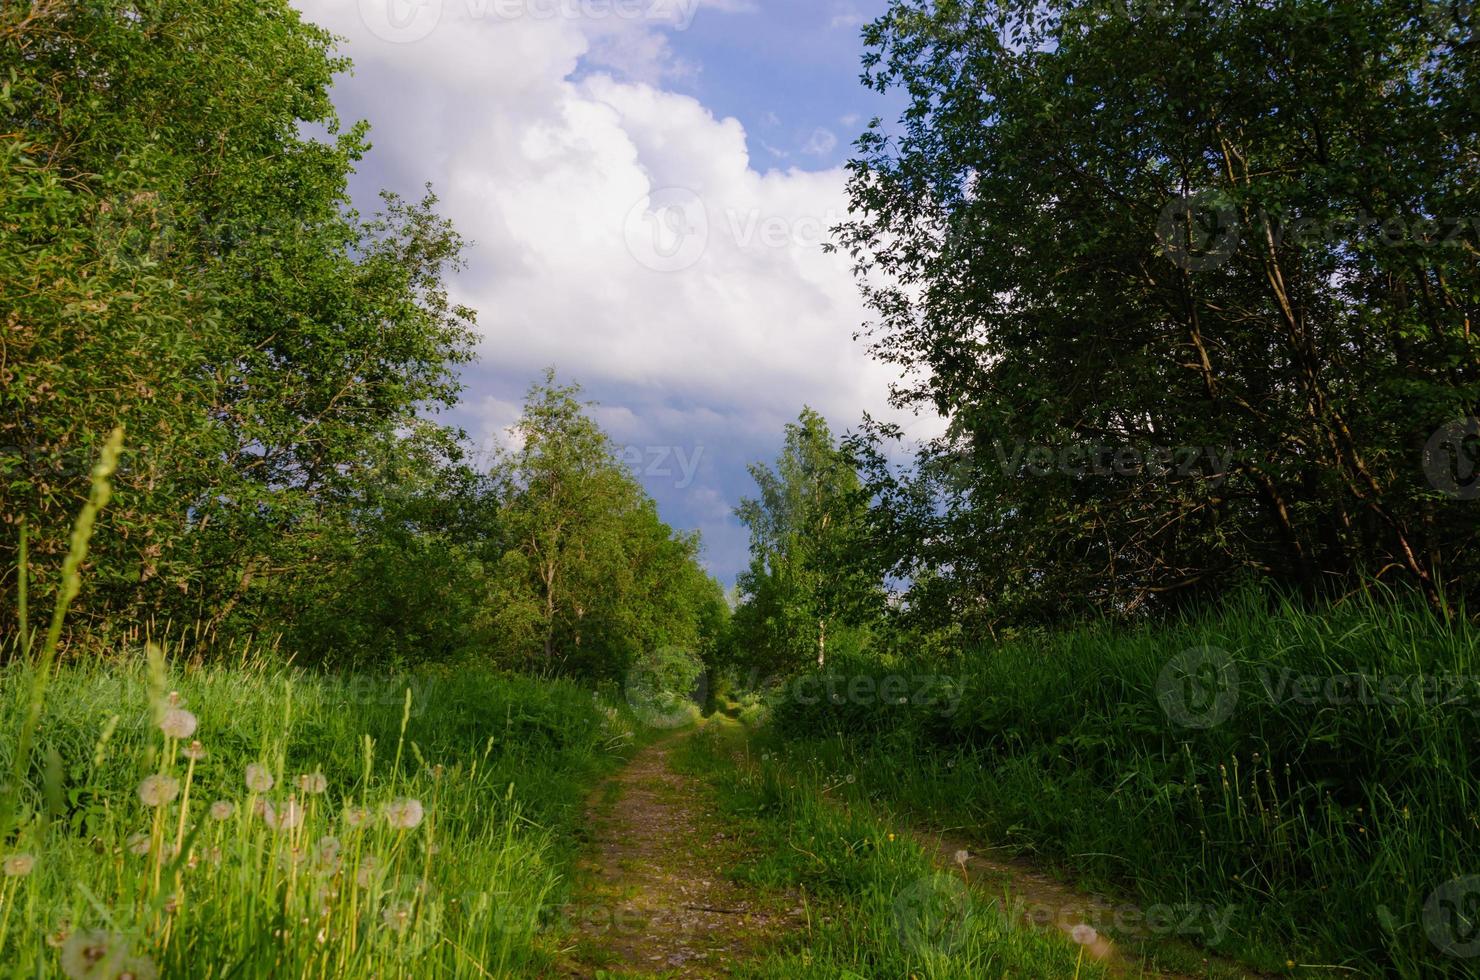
{"type": "Point", "coordinates": [806, 575]}
{"type": "Point", "coordinates": [589, 578]}
{"type": "Point", "coordinates": [1193, 285]}
{"type": "Point", "coordinates": [181, 257]}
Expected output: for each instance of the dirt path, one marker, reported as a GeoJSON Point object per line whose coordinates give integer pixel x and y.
{"type": "Point", "coordinates": [654, 898]}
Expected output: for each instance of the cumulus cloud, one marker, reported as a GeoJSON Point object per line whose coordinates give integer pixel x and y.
{"type": "Point", "coordinates": [621, 232]}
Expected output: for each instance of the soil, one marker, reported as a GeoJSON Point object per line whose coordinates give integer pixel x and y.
{"type": "Point", "coordinates": [655, 900]}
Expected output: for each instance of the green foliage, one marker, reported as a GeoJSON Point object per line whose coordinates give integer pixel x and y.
{"type": "Point", "coordinates": [182, 258]}
{"type": "Point", "coordinates": [1325, 815]}
{"type": "Point", "coordinates": [809, 583]}
{"type": "Point", "coordinates": [588, 579]}
{"type": "Point", "coordinates": [1193, 285]}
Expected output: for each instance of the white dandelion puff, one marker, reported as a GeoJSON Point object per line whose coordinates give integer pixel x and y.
{"type": "Point", "coordinates": [177, 723]}
{"type": "Point", "coordinates": [19, 865]}
{"type": "Point", "coordinates": [1084, 935]}
{"type": "Point", "coordinates": [194, 751]}
{"type": "Point", "coordinates": [313, 783]}
{"type": "Point", "coordinates": [222, 810]}
{"type": "Point", "coordinates": [159, 789]}
{"type": "Point", "coordinates": [259, 780]}
{"type": "Point", "coordinates": [404, 814]}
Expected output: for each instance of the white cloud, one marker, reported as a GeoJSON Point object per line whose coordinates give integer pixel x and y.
{"type": "Point", "coordinates": [820, 143]}
{"type": "Point", "coordinates": [544, 138]}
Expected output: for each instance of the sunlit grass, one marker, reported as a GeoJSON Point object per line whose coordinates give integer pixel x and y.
{"type": "Point", "coordinates": [261, 821]}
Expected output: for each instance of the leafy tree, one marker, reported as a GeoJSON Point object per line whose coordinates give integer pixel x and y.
{"type": "Point", "coordinates": [181, 257]}
{"type": "Point", "coordinates": [589, 578]}
{"type": "Point", "coordinates": [1193, 285]}
{"type": "Point", "coordinates": [807, 575]}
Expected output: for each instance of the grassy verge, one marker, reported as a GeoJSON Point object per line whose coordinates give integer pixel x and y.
{"type": "Point", "coordinates": [877, 907]}
{"type": "Point", "coordinates": [256, 820]}
{"type": "Point", "coordinates": [1312, 774]}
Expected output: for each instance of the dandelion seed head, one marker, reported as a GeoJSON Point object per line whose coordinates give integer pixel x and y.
{"type": "Point", "coordinates": [103, 956]}
{"type": "Point", "coordinates": [397, 916]}
{"type": "Point", "coordinates": [194, 751]}
{"type": "Point", "coordinates": [290, 817]}
{"type": "Point", "coordinates": [404, 814]}
{"type": "Point", "coordinates": [222, 810]}
{"type": "Point", "coordinates": [138, 844]}
{"type": "Point", "coordinates": [259, 780]}
{"type": "Point", "coordinates": [159, 789]}
{"type": "Point", "coordinates": [19, 865]}
{"type": "Point", "coordinates": [369, 869]}
{"type": "Point", "coordinates": [177, 723]}
{"type": "Point", "coordinates": [1083, 934]}
{"type": "Point", "coordinates": [356, 816]}
{"type": "Point", "coordinates": [961, 857]}
{"type": "Point", "coordinates": [313, 783]}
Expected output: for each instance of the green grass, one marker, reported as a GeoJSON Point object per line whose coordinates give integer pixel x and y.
{"type": "Point", "coordinates": [876, 906]}
{"type": "Point", "coordinates": [1327, 824]}
{"type": "Point", "coordinates": [500, 765]}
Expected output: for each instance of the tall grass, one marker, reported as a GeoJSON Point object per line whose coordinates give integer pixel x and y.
{"type": "Point", "coordinates": [1332, 821]}
{"type": "Point", "coordinates": [253, 820]}
{"type": "Point", "coordinates": [876, 906]}
{"type": "Point", "coordinates": [331, 826]}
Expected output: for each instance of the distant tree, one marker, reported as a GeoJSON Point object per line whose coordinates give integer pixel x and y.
{"type": "Point", "coordinates": [589, 577]}
{"type": "Point", "coordinates": [806, 573]}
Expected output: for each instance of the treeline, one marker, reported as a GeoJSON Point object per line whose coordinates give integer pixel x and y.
{"type": "Point", "coordinates": [181, 258]}
{"type": "Point", "coordinates": [1194, 287]}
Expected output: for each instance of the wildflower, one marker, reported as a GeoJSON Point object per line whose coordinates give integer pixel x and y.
{"type": "Point", "coordinates": [313, 783]}
{"type": "Point", "coordinates": [369, 869]}
{"type": "Point", "coordinates": [222, 810]}
{"type": "Point", "coordinates": [327, 851]}
{"type": "Point", "coordinates": [195, 751]}
{"type": "Point", "coordinates": [173, 699]}
{"type": "Point", "coordinates": [1084, 935]}
{"type": "Point", "coordinates": [138, 844]}
{"type": "Point", "coordinates": [57, 938]}
{"type": "Point", "coordinates": [157, 790]}
{"type": "Point", "coordinates": [891, 838]}
{"type": "Point", "coordinates": [259, 780]}
{"type": "Point", "coordinates": [103, 956]}
{"type": "Point", "coordinates": [177, 723]}
{"type": "Point", "coordinates": [404, 814]}
{"type": "Point", "coordinates": [961, 857]}
{"type": "Point", "coordinates": [19, 865]}
{"type": "Point", "coordinates": [397, 916]}
{"type": "Point", "coordinates": [288, 818]}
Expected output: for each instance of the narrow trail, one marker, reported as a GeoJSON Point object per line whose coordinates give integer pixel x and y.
{"type": "Point", "coordinates": [655, 899]}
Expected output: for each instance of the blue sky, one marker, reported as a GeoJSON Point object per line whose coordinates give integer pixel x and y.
{"type": "Point", "coordinates": [647, 196]}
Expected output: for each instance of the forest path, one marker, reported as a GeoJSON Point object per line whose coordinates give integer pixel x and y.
{"type": "Point", "coordinates": [654, 899]}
